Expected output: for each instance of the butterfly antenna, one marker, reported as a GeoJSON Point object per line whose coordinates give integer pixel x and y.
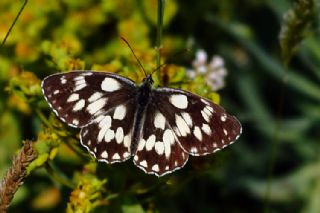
{"type": "Point", "coordinates": [175, 55]}
{"type": "Point", "coordinates": [158, 67]}
{"type": "Point", "coordinates": [14, 22]}
{"type": "Point", "coordinates": [145, 73]}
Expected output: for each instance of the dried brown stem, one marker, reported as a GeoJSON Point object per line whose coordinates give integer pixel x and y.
{"type": "Point", "coordinates": [14, 177]}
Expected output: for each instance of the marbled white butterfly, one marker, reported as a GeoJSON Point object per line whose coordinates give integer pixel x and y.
{"type": "Point", "coordinates": [159, 127]}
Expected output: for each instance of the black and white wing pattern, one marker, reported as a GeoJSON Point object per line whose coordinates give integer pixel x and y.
{"type": "Point", "coordinates": [160, 127]}
{"type": "Point", "coordinates": [200, 126]}
{"type": "Point", "coordinates": [179, 123]}
{"type": "Point", "coordinates": [101, 104]}
{"type": "Point", "coordinates": [79, 96]}
{"type": "Point", "coordinates": [109, 136]}
{"type": "Point", "coordinates": [158, 150]}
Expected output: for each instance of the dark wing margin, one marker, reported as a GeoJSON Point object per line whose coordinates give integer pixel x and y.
{"type": "Point", "coordinates": [200, 126]}
{"type": "Point", "coordinates": [77, 97]}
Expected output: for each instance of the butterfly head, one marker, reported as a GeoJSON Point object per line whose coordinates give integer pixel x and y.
{"type": "Point", "coordinates": [148, 81]}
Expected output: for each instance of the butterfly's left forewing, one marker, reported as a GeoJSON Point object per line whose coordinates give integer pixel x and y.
{"type": "Point", "coordinates": [79, 96]}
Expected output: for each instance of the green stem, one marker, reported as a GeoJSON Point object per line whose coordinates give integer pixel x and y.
{"type": "Point", "coordinates": [161, 4]}
{"type": "Point", "coordinates": [56, 175]}
{"type": "Point", "coordinates": [14, 22]}
{"type": "Point", "coordinates": [43, 118]}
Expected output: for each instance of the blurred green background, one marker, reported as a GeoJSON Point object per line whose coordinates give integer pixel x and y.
{"type": "Point", "coordinates": [275, 165]}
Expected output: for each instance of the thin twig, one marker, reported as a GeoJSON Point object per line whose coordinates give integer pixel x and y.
{"type": "Point", "coordinates": [14, 22]}
{"type": "Point", "coordinates": [161, 4]}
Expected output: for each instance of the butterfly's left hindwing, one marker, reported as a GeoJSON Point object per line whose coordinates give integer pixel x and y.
{"type": "Point", "coordinates": [109, 136]}
{"type": "Point", "coordinates": [79, 96]}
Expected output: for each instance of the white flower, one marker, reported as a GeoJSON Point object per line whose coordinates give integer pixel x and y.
{"type": "Point", "coordinates": [215, 72]}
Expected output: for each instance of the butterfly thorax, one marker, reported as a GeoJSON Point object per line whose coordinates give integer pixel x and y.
{"type": "Point", "coordinates": [143, 100]}
{"type": "Point", "coordinates": [144, 91]}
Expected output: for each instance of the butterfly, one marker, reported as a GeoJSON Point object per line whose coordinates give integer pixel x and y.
{"type": "Point", "coordinates": [119, 119]}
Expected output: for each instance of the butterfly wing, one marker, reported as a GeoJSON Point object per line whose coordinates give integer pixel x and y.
{"type": "Point", "coordinates": [158, 151]}
{"type": "Point", "coordinates": [200, 126]}
{"type": "Point", "coordinates": [108, 137]}
{"type": "Point", "coordinates": [79, 96]}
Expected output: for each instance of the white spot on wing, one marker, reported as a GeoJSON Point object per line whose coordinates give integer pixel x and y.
{"type": "Point", "coordinates": [179, 101]}
{"type": "Point", "coordinates": [225, 131]}
{"type": "Point", "coordinates": [80, 83]}
{"type": "Point", "coordinates": [206, 129]}
{"type": "Point", "coordinates": [109, 135]}
{"type": "Point", "coordinates": [104, 154]}
{"type": "Point", "coordinates": [197, 133]}
{"type": "Point", "coordinates": [150, 142]}
{"type": "Point", "coordinates": [141, 144]}
{"type": "Point", "coordinates": [110, 85]}
{"type": "Point", "coordinates": [144, 163]}
{"type": "Point", "coordinates": [187, 118]}
{"type": "Point", "coordinates": [205, 116]}
{"type": "Point", "coordinates": [159, 147]}
{"type": "Point", "coordinates": [56, 92]}
{"type": "Point", "coordinates": [126, 154]}
{"type": "Point", "coordinates": [80, 79]}
{"type": "Point", "coordinates": [119, 135]}
{"type": "Point", "coordinates": [102, 133]}
{"type": "Point", "coordinates": [75, 122]}
{"type": "Point", "coordinates": [223, 117]}
{"type": "Point", "coordinates": [207, 111]}
{"type": "Point", "coordinates": [95, 96]}
{"type": "Point", "coordinates": [99, 118]}
{"type": "Point", "coordinates": [105, 122]}
{"type": "Point", "coordinates": [73, 97]}
{"type": "Point", "coordinates": [79, 105]}
{"type": "Point", "coordinates": [120, 112]}
{"type": "Point", "coordinates": [155, 168]}
{"type": "Point", "coordinates": [96, 106]}
{"type": "Point", "coordinates": [116, 156]}
{"type": "Point", "coordinates": [193, 150]}
{"type": "Point", "coordinates": [136, 157]}
{"type": "Point", "coordinates": [63, 80]}
{"type": "Point", "coordinates": [209, 108]}
{"type": "Point", "coordinates": [204, 101]}
{"type": "Point", "coordinates": [182, 126]}
{"type": "Point", "coordinates": [168, 139]}
{"type": "Point", "coordinates": [159, 121]}
{"type": "Point", "coordinates": [127, 141]}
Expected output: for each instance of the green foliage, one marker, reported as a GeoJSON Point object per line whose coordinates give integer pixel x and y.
{"type": "Point", "coordinates": [296, 20]}
{"type": "Point", "coordinates": [279, 130]}
{"type": "Point", "coordinates": [88, 193]}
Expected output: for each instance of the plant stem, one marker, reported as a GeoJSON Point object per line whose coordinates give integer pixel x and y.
{"type": "Point", "coordinates": [13, 23]}
{"type": "Point", "coordinates": [59, 177]}
{"type": "Point", "coordinates": [161, 4]}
